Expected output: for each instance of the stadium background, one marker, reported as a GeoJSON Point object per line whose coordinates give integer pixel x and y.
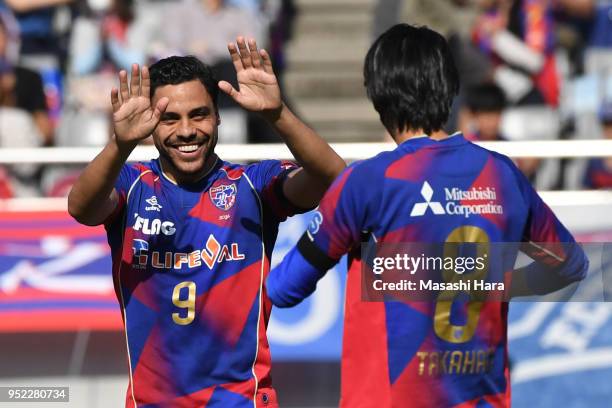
{"type": "Point", "coordinates": [59, 322]}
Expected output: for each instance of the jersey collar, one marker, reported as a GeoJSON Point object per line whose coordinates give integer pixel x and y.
{"type": "Point", "coordinates": [157, 166]}
{"type": "Point", "coordinates": [455, 139]}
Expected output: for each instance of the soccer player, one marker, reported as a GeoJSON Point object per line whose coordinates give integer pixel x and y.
{"type": "Point", "coordinates": [433, 188]}
{"type": "Point", "coordinates": [192, 235]}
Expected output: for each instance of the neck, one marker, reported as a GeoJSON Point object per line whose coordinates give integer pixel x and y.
{"type": "Point", "coordinates": [401, 137]}
{"type": "Point", "coordinates": [179, 177]}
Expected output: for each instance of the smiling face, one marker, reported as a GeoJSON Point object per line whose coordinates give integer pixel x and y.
{"type": "Point", "coordinates": [187, 132]}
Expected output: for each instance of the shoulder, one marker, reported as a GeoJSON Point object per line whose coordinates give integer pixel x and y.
{"type": "Point", "coordinates": [232, 171]}
{"type": "Point", "coordinates": [372, 169]}
{"type": "Point", "coordinates": [141, 171]}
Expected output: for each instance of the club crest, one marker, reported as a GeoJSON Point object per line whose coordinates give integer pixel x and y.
{"type": "Point", "coordinates": [223, 196]}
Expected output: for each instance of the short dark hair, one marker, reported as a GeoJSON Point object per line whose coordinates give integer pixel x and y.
{"type": "Point", "coordinates": [411, 78]}
{"type": "Point", "coordinates": [486, 97]}
{"type": "Point", "coordinates": [177, 70]}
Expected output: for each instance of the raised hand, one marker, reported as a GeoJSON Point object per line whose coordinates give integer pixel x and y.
{"type": "Point", "coordinates": [134, 118]}
{"type": "Point", "coordinates": [257, 84]}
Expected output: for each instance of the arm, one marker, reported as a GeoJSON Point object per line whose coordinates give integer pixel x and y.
{"type": "Point", "coordinates": [22, 6]}
{"type": "Point", "coordinates": [332, 232]}
{"type": "Point", "coordinates": [558, 259]}
{"type": "Point", "coordinates": [578, 8]}
{"type": "Point", "coordinates": [41, 119]}
{"type": "Point", "coordinates": [93, 197]}
{"type": "Point", "coordinates": [259, 92]}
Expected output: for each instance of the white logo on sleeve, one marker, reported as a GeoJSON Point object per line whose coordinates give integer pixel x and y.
{"type": "Point", "coordinates": [420, 209]}
{"type": "Point", "coordinates": [153, 204]}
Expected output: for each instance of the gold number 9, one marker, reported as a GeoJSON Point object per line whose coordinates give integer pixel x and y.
{"type": "Point", "coordinates": [188, 303]}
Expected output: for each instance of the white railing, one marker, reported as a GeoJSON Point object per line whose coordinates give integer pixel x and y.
{"type": "Point", "coordinates": [349, 151]}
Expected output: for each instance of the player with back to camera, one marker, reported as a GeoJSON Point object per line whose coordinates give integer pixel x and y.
{"type": "Point", "coordinates": [192, 235]}
{"type": "Point", "coordinates": [407, 353]}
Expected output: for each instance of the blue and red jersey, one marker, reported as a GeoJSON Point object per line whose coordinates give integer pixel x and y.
{"type": "Point", "coordinates": [189, 262]}
{"type": "Point", "coordinates": [598, 174]}
{"type": "Point", "coordinates": [419, 353]}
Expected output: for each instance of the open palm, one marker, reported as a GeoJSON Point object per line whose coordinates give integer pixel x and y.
{"type": "Point", "coordinates": [257, 84]}
{"type": "Point", "coordinates": [134, 118]}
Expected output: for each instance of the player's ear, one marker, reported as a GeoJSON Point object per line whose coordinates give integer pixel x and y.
{"type": "Point", "coordinates": [218, 117]}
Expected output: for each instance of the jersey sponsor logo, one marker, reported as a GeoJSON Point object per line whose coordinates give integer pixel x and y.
{"type": "Point", "coordinates": [420, 209]}
{"type": "Point", "coordinates": [153, 204]}
{"type": "Point", "coordinates": [154, 226]}
{"type": "Point", "coordinates": [212, 254]}
{"type": "Point", "coordinates": [458, 202]}
{"type": "Point", "coordinates": [140, 249]}
{"type": "Point", "coordinates": [223, 196]}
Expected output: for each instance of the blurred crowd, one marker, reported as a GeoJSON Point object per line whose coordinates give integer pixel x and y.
{"type": "Point", "coordinates": [60, 58]}
{"type": "Point", "coordinates": [530, 69]}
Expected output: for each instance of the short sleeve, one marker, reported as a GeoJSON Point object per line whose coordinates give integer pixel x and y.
{"type": "Point", "coordinates": [268, 178]}
{"type": "Point", "coordinates": [342, 216]}
{"type": "Point", "coordinates": [127, 176]}
{"type": "Point", "coordinates": [547, 241]}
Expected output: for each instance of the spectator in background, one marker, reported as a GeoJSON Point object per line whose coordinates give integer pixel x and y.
{"type": "Point", "coordinates": [18, 129]}
{"type": "Point", "coordinates": [518, 36]}
{"type": "Point", "coordinates": [43, 43]}
{"type": "Point", "coordinates": [21, 87]}
{"type": "Point", "coordinates": [205, 27]}
{"type": "Point", "coordinates": [102, 39]}
{"type": "Point", "coordinates": [599, 170]}
{"type": "Point", "coordinates": [36, 19]}
{"type": "Point", "coordinates": [486, 104]}
{"type": "Point", "coordinates": [601, 36]}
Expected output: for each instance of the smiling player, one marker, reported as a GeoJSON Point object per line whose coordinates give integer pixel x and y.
{"type": "Point", "coordinates": [192, 235]}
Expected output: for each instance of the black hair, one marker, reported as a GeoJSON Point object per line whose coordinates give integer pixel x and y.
{"type": "Point", "coordinates": [177, 70]}
{"type": "Point", "coordinates": [411, 78]}
{"type": "Point", "coordinates": [486, 97]}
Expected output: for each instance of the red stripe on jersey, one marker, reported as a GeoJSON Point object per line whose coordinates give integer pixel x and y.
{"type": "Point", "coordinates": [365, 345]}
{"type": "Point", "coordinates": [152, 375]}
{"type": "Point", "coordinates": [412, 167]}
{"type": "Point", "coordinates": [233, 172]}
{"type": "Point", "coordinates": [263, 363]}
{"type": "Point", "coordinates": [137, 282]}
{"type": "Point", "coordinates": [419, 391]}
{"type": "Point", "coordinates": [206, 211]}
{"type": "Point", "coordinates": [489, 177]}
{"type": "Point", "coordinates": [244, 388]}
{"type": "Point", "coordinates": [198, 398]}
{"type": "Point", "coordinates": [337, 248]}
{"type": "Point", "coordinates": [229, 322]}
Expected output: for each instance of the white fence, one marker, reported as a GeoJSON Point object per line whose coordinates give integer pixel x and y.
{"type": "Point", "coordinates": [349, 151]}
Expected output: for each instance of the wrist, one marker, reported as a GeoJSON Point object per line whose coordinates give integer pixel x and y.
{"type": "Point", "coordinates": [124, 149]}
{"type": "Point", "coordinates": [275, 115]}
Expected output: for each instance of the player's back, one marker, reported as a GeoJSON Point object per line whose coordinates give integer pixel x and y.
{"type": "Point", "coordinates": [430, 353]}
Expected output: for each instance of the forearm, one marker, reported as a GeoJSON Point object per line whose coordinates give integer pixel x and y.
{"type": "Point", "coordinates": [22, 6]}
{"type": "Point", "coordinates": [310, 150]}
{"type": "Point", "coordinates": [541, 279]}
{"type": "Point", "coordinates": [90, 201]}
{"type": "Point", "coordinates": [579, 8]}
{"type": "Point", "coordinates": [293, 280]}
